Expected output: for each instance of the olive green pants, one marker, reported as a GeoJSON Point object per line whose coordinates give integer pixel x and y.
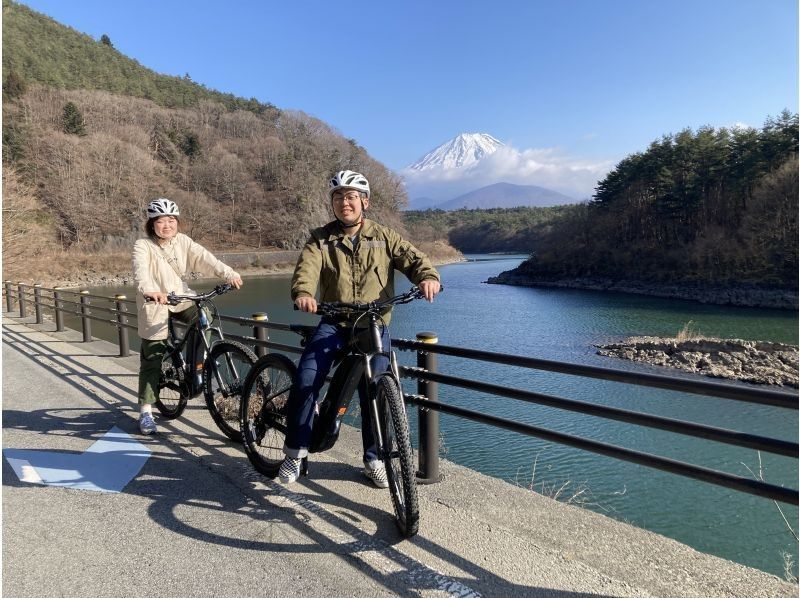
{"type": "Point", "coordinates": [151, 354]}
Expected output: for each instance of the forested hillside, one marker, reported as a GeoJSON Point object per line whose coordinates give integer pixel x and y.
{"type": "Point", "coordinates": [58, 56]}
{"type": "Point", "coordinates": [716, 206]}
{"type": "Point", "coordinates": [90, 136]}
{"type": "Point", "coordinates": [485, 231]}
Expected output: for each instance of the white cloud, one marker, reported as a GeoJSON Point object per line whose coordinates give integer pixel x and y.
{"type": "Point", "coordinates": [544, 167]}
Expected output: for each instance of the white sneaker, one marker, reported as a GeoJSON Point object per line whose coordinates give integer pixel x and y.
{"type": "Point", "coordinates": [289, 471]}
{"type": "Point", "coordinates": [376, 472]}
{"type": "Point", "coordinates": [147, 424]}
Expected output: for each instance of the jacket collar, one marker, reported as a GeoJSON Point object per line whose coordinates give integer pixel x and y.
{"type": "Point", "coordinates": [335, 230]}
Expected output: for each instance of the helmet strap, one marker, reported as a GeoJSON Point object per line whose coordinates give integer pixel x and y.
{"type": "Point", "coordinates": [354, 225]}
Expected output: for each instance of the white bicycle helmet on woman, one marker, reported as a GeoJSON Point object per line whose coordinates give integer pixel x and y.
{"type": "Point", "coordinates": [162, 207]}
{"type": "Point", "coordinates": [347, 179]}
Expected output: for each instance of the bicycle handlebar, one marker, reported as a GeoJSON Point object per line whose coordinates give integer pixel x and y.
{"type": "Point", "coordinates": [333, 308]}
{"type": "Point", "coordinates": [174, 299]}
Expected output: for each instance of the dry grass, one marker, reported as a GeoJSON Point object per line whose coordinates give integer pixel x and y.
{"type": "Point", "coordinates": [53, 266]}
{"type": "Point", "coordinates": [688, 333]}
{"type": "Point", "coordinates": [567, 491]}
{"type": "Point", "coordinates": [788, 561]}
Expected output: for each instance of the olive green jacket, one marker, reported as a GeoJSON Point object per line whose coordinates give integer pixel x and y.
{"type": "Point", "coordinates": [329, 262]}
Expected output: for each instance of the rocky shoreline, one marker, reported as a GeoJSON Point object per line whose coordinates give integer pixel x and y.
{"type": "Point", "coordinates": [740, 295]}
{"type": "Point", "coordinates": [756, 362]}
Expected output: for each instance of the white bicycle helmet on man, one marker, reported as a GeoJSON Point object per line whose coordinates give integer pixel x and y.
{"type": "Point", "coordinates": [347, 179]}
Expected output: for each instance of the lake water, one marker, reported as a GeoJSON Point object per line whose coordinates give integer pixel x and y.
{"type": "Point", "coordinates": [561, 324]}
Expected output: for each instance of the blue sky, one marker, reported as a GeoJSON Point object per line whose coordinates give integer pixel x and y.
{"type": "Point", "coordinates": [574, 85]}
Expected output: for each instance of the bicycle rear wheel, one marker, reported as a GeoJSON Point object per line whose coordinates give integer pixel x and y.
{"type": "Point", "coordinates": [232, 361]}
{"type": "Point", "coordinates": [172, 391]}
{"type": "Point", "coordinates": [397, 455]}
{"type": "Point", "coordinates": [263, 412]}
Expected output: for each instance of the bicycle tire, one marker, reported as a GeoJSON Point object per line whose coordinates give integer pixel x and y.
{"type": "Point", "coordinates": [262, 416]}
{"type": "Point", "coordinates": [397, 454]}
{"type": "Point", "coordinates": [233, 361]}
{"type": "Point", "coordinates": [173, 393]}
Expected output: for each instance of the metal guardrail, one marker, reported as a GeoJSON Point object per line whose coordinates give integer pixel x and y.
{"type": "Point", "coordinates": [428, 379]}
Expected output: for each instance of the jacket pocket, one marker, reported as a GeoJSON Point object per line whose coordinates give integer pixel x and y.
{"type": "Point", "coordinates": [152, 322]}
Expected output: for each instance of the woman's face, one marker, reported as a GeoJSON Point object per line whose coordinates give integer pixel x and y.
{"type": "Point", "coordinates": [165, 227]}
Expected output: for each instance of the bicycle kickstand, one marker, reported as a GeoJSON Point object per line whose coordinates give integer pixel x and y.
{"type": "Point", "coordinates": [304, 466]}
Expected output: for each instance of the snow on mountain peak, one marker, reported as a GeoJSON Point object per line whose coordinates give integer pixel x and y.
{"type": "Point", "coordinates": [461, 151]}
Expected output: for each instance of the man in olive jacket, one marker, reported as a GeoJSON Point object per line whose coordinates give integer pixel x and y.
{"type": "Point", "coordinates": [351, 259]}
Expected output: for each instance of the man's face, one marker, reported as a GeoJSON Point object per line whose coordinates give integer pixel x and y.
{"type": "Point", "coordinates": [347, 205]}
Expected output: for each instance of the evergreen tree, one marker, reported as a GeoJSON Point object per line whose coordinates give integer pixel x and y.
{"type": "Point", "coordinates": [190, 144]}
{"type": "Point", "coordinates": [72, 120]}
{"type": "Point", "coordinates": [106, 41]}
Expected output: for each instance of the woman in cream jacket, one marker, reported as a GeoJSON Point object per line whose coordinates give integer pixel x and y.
{"type": "Point", "coordinates": [160, 265]}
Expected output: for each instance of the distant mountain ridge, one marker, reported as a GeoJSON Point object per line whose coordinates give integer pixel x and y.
{"type": "Point", "coordinates": [460, 152]}
{"type": "Point", "coordinates": [507, 195]}
{"type": "Point", "coordinates": [498, 195]}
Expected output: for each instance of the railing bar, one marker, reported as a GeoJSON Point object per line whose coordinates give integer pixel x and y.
{"type": "Point", "coordinates": [697, 472]}
{"type": "Point", "coordinates": [107, 310]}
{"type": "Point", "coordinates": [726, 391]}
{"type": "Point", "coordinates": [270, 325]}
{"type": "Point", "coordinates": [269, 344]}
{"type": "Point", "coordinates": [733, 437]}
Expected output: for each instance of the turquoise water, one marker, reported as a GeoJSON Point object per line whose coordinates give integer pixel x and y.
{"type": "Point", "coordinates": [566, 325]}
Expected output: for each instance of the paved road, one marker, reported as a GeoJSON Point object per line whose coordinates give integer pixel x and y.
{"type": "Point", "coordinates": [197, 521]}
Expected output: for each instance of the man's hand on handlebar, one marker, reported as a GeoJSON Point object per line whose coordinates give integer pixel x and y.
{"type": "Point", "coordinates": [429, 288]}
{"type": "Point", "coordinates": [236, 283]}
{"type": "Point", "coordinates": [306, 304]}
{"type": "Point", "coordinates": [156, 296]}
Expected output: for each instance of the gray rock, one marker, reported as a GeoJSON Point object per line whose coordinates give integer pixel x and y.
{"type": "Point", "coordinates": [758, 362]}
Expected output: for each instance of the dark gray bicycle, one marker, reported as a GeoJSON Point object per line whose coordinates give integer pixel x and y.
{"type": "Point", "coordinates": [266, 394]}
{"type": "Point", "coordinates": [218, 371]}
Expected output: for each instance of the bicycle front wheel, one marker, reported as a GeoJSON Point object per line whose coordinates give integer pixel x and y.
{"type": "Point", "coordinates": [397, 455]}
{"type": "Point", "coordinates": [262, 416]}
{"type": "Point", "coordinates": [224, 373]}
{"type": "Point", "coordinates": [172, 391]}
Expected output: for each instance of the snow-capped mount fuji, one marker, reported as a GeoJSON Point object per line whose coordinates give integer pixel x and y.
{"type": "Point", "coordinates": [461, 151]}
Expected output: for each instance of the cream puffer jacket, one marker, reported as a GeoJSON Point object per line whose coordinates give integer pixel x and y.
{"type": "Point", "coordinates": [164, 269]}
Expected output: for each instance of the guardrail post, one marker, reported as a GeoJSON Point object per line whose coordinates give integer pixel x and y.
{"type": "Point", "coordinates": [85, 321]}
{"type": "Point", "coordinates": [37, 302]}
{"type": "Point", "coordinates": [124, 349]}
{"type": "Point", "coordinates": [261, 333]}
{"type": "Point", "coordinates": [23, 311]}
{"type": "Point", "coordinates": [59, 315]}
{"type": "Point", "coordinates": [428, 419]}
{"type": "Point", "coordinates": [9, 296]}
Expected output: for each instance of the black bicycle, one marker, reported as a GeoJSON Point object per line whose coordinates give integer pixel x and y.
{"type": "Point", "coordinates": [266, 394]}
{"type": "Point", "coordinates": [218, 370]}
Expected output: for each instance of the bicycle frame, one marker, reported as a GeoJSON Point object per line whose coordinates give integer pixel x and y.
{"type": "Point", "coordinates": [332, 408]}
{"type": "Point", "coordinates": [199, 326]}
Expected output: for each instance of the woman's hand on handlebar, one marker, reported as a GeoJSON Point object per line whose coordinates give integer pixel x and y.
{"type": "Point", "coordinates": [156, 296]}
{"type": "Point", "coordinates": [429, 288]}
{"type": "Point", "coordinates": [306, 304]}
{"type": "Point", "coordinates": [236, 283]}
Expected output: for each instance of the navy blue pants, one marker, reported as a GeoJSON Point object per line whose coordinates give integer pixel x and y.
{"type": "Point", "coordinates": [314, 366]}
